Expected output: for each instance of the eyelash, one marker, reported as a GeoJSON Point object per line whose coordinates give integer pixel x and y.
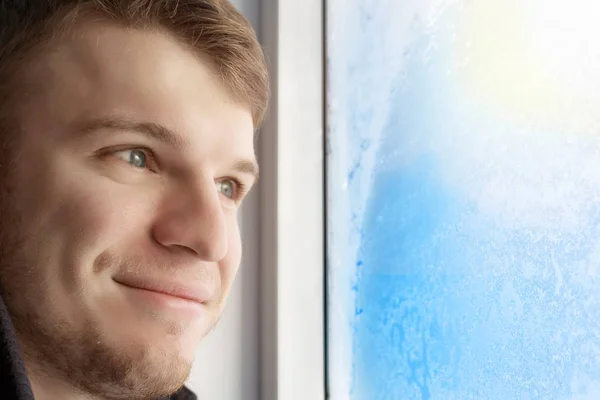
{"type": "Point", "coordinates": [239, 188]}
{"type": "Point", "coordinates": [152, 163]}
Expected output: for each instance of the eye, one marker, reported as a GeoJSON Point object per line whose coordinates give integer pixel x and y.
{"type": "Point", "coordinates": [136, 158]}
{"type": "Point", "coordinates": [227, 187]}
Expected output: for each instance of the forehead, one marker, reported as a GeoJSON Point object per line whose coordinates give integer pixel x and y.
{"type": "Point", "coordinates": [101, 70]}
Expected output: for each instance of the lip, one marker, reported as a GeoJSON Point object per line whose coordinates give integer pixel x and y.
{"type": "Point", "coordinates": [196, 293]}
{"type": "Point", "coordinates": [168, 298]}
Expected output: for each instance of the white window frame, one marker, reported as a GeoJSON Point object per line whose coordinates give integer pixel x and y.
{"type": "Point", "coordinates": [291, 190]}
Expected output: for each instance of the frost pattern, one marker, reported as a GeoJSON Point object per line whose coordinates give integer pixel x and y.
{"type": "Point", "coordinates": [463, 181]}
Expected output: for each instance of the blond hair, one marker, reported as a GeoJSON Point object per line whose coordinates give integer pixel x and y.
{"type": "Point", "coordinates": [212, 27]}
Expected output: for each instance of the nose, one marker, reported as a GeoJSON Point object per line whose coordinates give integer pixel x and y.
{"type": "Point", "coordinates": [191, 217]}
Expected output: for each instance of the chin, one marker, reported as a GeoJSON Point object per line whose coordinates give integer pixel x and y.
{"type": "Point", "coordinates": [129, 361]}
{"type": "Point", "coordinates": [174, 338]}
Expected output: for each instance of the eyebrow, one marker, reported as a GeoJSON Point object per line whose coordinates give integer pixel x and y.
{"type": "Point", "coordinates": [161, 134]}
{"type": "Point", "coordinates": [249, 167]}
{"type": "Point", "coordinates": [155, 131]}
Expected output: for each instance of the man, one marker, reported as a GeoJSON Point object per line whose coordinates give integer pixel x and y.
{"type": "Point", "coordinates": [127, 149]}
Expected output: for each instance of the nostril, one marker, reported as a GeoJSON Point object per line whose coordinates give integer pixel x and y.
{"type": "Point", "coordinates": [178, 248]}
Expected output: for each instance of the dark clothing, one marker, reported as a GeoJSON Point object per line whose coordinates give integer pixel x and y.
{"type": "Point", "coordinates": [14, 384]}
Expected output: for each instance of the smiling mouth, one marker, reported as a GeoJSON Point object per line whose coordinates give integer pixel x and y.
{"type": "Point", "coordinates": [170, 289]}
{"type": "Point", "coordinates": [171, 300]}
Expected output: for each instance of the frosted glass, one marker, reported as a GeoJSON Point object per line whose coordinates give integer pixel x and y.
{"type": "Point", "coordinates": [463, 190]}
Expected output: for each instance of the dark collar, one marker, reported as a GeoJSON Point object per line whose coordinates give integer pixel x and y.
{"type": "Point", "coordinates": [183, 394]}
{"type": "Point", "coordinates": [14, 383]}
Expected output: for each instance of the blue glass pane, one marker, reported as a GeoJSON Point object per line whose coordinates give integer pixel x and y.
{"type": "Point", "coordinates": [463, 199]}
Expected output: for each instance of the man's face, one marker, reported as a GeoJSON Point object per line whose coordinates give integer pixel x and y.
{"type": "Point", "coordinates": [127, 179]}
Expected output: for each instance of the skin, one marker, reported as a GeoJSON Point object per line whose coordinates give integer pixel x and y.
{"type": "Point", "coordinates": [83, 211]}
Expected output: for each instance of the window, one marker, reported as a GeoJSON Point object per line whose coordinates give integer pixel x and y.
{"type": "Point", "coordinates": [461, 170]}
{"type": "Point", "coordinates": [463, 185]}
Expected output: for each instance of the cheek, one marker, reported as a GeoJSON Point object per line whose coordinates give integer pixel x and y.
{"type": "Point", "coordinates": [77, 216]}
{"type": "Point", "coordinates": [98, 217]}
{"type": "Point", "coordinates": [229, 266]}
{"type": "Point", "coordinates": [67, 216]}
{"type": "Point", "coordinates": [71, 200]}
